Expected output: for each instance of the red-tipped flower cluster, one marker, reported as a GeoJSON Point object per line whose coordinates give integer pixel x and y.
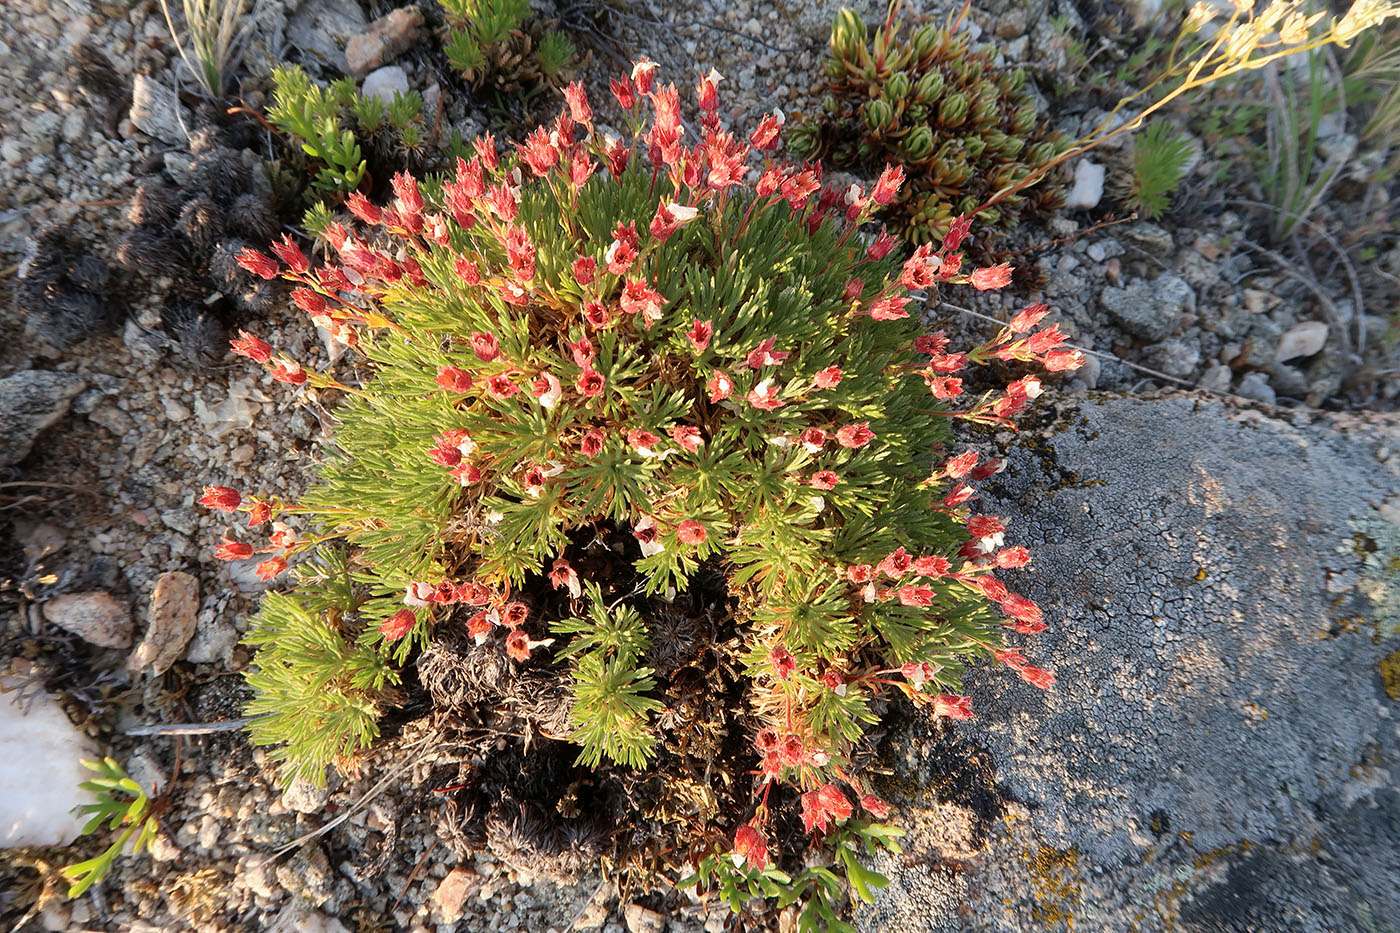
{"type": "Point", "coordinates": [572, 366]}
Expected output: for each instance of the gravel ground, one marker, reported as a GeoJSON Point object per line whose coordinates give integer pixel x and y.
{"type": "Point", "coordinates": [1191, 300]}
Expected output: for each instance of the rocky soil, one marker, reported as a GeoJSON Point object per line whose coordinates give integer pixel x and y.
{"type": "Point", "coordinates": [1215, 756]}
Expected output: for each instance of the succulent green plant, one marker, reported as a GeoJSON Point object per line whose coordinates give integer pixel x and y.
{"type": "Point", "coordinates": [962, 128]}
{"type": "Point", "coordinates": [500, 48]}
{"type": "Point", "coordinates": [348, 139]}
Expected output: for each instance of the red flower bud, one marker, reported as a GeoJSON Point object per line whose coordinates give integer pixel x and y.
{"type": "Point", "coordinates": [453, 379]}
{"type": "Point", "coordinates": [233, 550]}
{"type": "Point", "coordinates": [691, 532]}
{"type": "Point", "coordinates": [221, 498]}
{"type": "Point", "coordinates": [361, 207]}
{"type": "Point", "coordinates": [291, 254]}
{"type": "Point", "coordinates": [750, 848]}
{"type": "Point", "coordinates": [257, 263]}
{"type": "Point", "coordinates": [622, 91]}
{"type": "Point", "coordinates": [398, 625]}
{"type": "Point", "coordinates": [991, 277]}
{"type": "Point", "coordinates": [271, 568]}
{"type": "Point", "coordinates": [954, 707]}
{"type": "Point", "coordinates": [855, 435]}
{"type": "Point", "coordinates": [888, 186]}
{"type": "Point", "coordinates": [259, 351]}
{"type": "Point", "coordinates": [485, 346]}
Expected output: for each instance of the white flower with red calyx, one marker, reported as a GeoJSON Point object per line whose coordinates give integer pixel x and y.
{"type": "Point", "coordinates": [764, 355]}
{"type": "Point", "coordinates": [987, 531]}
{"type": "Point", "coordinates": [419, 593]}
{"type": "Point", "coordinates": [563, 576]}
{"type": "Point", "coordinates": [519, 645]}
{"type": "Point", "coordinates": [465, 473]}
{"type": "Point", "coordinates": [1029, 386]}
{"type": "Point", "coordinates": [619, 257]}
{"type": "Point", "coordinates": [918, 673]}
{"type": "Point", "coordinates": [647, 535]}
{"type": "Point", "coordinates": [538, 152]}
{"type": "Point", "coordinates": [547, 389]}
{"type": "Point", "coordinates": [591, 383]}
{"type": "Point", "coordinates": [707, 90]}
{"type": "Point", "coordinates": [687, 437]}
{"type": "Point", "coordinates": [617, 154]}
{"type": "Point", "coordinates": [643, 74]}
{"type": "Point", "coordinates": [643, 441]}
{"type": "Point", "coordinates": [288, 371]}
{"type": "Point", "coordinates": [764, 396]}
{"type": "Point", "coordinates": [533, 482]}
{"type": "Point", "coordinates": [720, 386]}
{"type": "Point", "coordinates": [637, 296]}
{"type": "Point", "coordinates": [921, 269]}
{"type": "Point", "coordinates": [282, 536]}
{"type": "Point", "coordinates": [670, 217]}
{"type": "Point", "coordinates": [1057, 361]}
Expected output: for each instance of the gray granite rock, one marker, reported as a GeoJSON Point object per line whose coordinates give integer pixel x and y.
{"type": "Point", "coordinates": [1218, 753]}
{"type": "Point", "coordinates": [1149, 310]}
{"type": "Point", "coordinates": [31, 401]}
{"type": "Point", "coordinates": [319, 30]}
{"type": "Point", "coordinates": [156, 111]}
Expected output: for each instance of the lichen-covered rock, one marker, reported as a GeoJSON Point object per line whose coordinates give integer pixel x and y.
{"type": "Point", "coordinates": [1218, 752]}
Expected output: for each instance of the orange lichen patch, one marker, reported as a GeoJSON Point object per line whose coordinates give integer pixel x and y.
{"type": "Point", "coordinates": [1058, 887]}
{"type": "Point", "coordinates": [1389, 667]}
